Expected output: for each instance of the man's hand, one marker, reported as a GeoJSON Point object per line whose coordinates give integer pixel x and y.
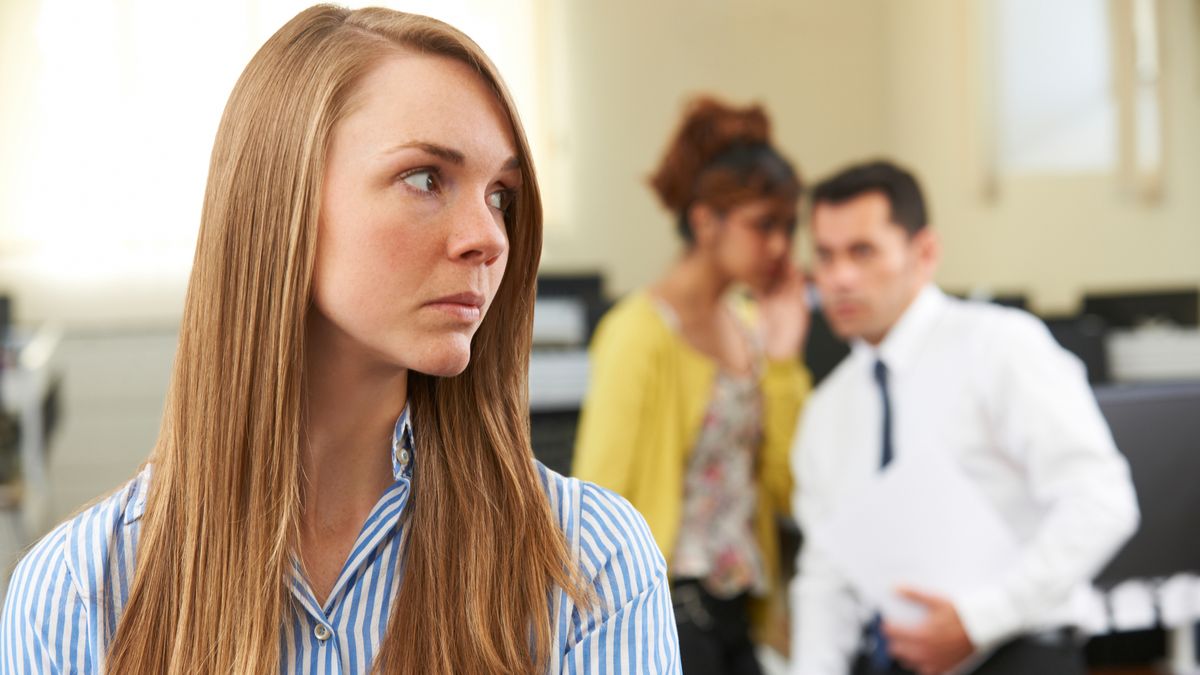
{"type": "Point", "coordinates": [933, 646]}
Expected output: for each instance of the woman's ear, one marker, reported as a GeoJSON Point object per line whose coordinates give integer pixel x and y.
{"type": "Point", "coordinates": [705, 222]}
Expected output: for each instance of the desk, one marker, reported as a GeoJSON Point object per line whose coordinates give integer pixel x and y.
{"type": "Point", "coordinates": [1154, 579]}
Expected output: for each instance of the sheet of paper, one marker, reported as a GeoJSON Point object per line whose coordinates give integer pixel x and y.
{"type": "Point", "coordinates": [922, 524]}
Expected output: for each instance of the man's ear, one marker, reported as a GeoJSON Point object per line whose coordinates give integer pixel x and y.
{"type": "Point", "coordinates": [928, 246]}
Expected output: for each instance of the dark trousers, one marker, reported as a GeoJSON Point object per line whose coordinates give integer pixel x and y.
{"type": "Point", "coordinates": [1057, 654]}
{"type": "Point", "coordinates": [714, 634]}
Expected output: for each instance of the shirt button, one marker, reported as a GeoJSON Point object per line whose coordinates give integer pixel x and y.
{"type": "Point", "coordinates": [404, 456]}
{"type": "Point", "coordinates": [322, 632]}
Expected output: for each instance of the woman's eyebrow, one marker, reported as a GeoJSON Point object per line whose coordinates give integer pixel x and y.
{"type": "Point", "coordinates": [449, 154]}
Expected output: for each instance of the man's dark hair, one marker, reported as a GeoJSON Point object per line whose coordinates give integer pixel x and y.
{"type": "Point", "coordinates": [898, 185]}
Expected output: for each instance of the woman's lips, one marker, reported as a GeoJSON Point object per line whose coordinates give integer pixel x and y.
{"type": "Point", "coordinates": [465, 306]}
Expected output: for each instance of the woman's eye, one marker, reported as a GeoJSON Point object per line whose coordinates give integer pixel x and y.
{"type": "Point", "coordinates": [771, 225]}
{"type": "Point", "coordinates": [424, 180]}
{"type": "Point", "coordinates": [501, 200]}
{"type": "Point", "coordinates": [862, 251]}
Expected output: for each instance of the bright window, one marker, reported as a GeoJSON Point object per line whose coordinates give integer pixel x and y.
{"type": "Point", "coordinates": [129, 95]}
{"type": "Point", "coordinates": [1057, 111]}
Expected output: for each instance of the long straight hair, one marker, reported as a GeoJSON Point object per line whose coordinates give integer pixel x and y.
{"type": "Point", "coordinates": [483, 552]}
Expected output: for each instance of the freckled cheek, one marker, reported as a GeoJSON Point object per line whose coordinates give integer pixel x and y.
{"type": "Point", "coordinates": [380, 267]}
{"type": "Point", "coordinates": [495, 276]}
{"type": "Point", "coordinates": [387, 255]}
{"type": "Point", "coordinates": [397, 243]}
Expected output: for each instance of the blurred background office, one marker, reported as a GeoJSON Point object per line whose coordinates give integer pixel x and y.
{"type": "Point", "coordinates": [1058, 143]}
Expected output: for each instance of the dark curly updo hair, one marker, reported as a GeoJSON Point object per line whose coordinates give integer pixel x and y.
{"type": "Point", "coordinates": [721, 156]}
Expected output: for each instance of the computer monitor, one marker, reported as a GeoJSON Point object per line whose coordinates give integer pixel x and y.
{"type": "Point", "coordinates": [1087, 338]}
{"type": "Point", "coordinates": [1129, 310]}
{"type": "Point", "coordinates": [585, 288]}
{"type": "Point", "coordinates": [5, 318]}
{"type": "Point", "coordinates": [1157, 427]}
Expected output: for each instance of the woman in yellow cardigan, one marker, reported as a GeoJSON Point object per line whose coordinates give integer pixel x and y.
{"type": "Point", "coordinates": [694, 394]}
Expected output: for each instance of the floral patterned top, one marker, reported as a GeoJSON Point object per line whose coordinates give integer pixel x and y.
{"type": "Point", "coordinates": [716, 542]}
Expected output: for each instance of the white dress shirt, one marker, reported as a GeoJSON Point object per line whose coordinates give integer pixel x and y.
{"type": "Point", "coordinates": [991, 388]}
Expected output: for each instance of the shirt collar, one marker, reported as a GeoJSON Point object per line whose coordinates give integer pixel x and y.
{"type": "Point", "coordinates": [136, 505]}
{"type": "Point", "coordinates": [402, 446]}
{"type": "Point", "coordinates": [905, 338]}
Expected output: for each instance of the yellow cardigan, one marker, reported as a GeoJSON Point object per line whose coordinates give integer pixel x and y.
{"type": "Point", "coordinates": [647, 394]}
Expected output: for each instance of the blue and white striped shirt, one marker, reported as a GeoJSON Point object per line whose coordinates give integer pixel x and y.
{"type": "Point", "coordinates": [67, 594]}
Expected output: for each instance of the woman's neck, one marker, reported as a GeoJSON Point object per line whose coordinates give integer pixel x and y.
{"type": "Point", "coordinates": [352, 405]}
{"type": "Point", "coordinates": [693, 286]}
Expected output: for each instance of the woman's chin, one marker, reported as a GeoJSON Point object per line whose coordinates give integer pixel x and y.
{"type": "Point", "coordinates": [445, 370]}
{"type": "Point", "coordinates": [444, 360]}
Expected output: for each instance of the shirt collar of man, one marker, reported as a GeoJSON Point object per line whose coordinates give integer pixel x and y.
{"type": "Point", "coordinates": [902, 343]}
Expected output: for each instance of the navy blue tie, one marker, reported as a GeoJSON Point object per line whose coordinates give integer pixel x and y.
{"type": "Point", "coordinates": [881, 378]}
{"type": "Point", "coordinates": [877, 647]}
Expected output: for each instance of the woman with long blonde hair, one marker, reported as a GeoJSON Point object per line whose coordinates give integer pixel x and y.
{"type": "Point", "coordinates": [343, 482]}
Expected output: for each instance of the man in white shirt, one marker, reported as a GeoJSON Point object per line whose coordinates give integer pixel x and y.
{"type": "Point", "coordinates": [989, 389]}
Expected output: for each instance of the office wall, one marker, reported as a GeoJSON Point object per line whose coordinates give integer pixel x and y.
{"type": "Point", "coordinates": [1053, 237]}
{"type": "Point", "coordinates": [18, 87]}
{"type": "Point", "coordinates": [629, 67]}
{"type": "Point", "coordinates": [843, 80]}
{"type": "Point", "coordinates": [846, 81]}
{"type": "Point", "coordinates": [107, 115]}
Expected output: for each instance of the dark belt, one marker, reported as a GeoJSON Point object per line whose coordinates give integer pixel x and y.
{"type": "Point", "coordinates": [1063, 636]}
{"type": "Point", "coordinates": [693, 603]}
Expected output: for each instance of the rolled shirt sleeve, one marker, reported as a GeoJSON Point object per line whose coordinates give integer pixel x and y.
{"type": "Point", "coordinates": [1050, 424]}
